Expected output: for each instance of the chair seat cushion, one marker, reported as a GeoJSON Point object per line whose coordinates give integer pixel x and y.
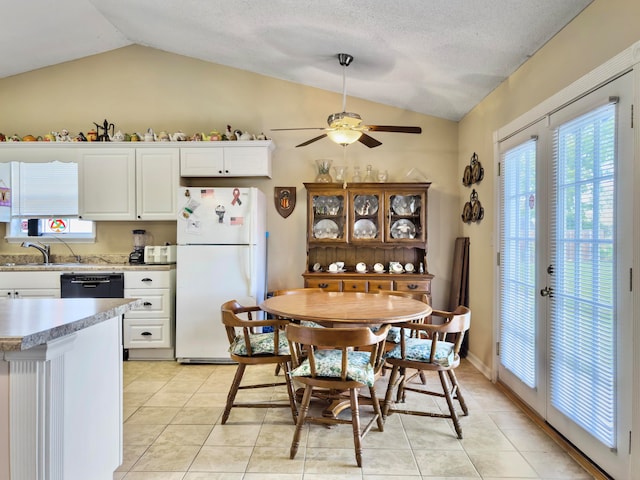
{"type": "Point", "coordinates": [329, 364]}
{"type": "Point", "coordinates": [309, 323]}
{"type": "Point", "coordinates": [419, 350]}
{"type": "Point", "coordinates": [261, 343]}
{"type": "Point", "coordinates": [393, 335]}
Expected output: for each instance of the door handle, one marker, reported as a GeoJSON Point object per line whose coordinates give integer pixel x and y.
{"type": "Point", "coordinates": [547, 292]}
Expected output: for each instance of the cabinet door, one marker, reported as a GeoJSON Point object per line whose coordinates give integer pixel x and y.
{"type": "Point", "coordinates": [107, 189]}
{"type": "Point", "coordinates": [327, 216]}
{"type": "Point", "coordinates": [366, 217]}
{"type": "Point", "coordinates": [247, 161]}
{"type": "Point", "coordinates": [157, 178]}
{"type": "Point", "coordinates": [406, 217]}
{"type": "Point", "coordinates": [202, 162]}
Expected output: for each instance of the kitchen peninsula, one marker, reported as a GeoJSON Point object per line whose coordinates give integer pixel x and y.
{"type": "Point", "coordinates": [61, 387]}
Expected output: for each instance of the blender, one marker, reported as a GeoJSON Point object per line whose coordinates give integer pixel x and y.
{"type": "Point", "coordinates": [139, 242]}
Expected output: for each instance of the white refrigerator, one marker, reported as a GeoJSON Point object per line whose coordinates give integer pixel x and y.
{"type": "Point", "coordinates": [221, 256]}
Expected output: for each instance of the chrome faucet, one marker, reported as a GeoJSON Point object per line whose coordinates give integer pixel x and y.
{"type": "Point", "coordinates": [43, 248]}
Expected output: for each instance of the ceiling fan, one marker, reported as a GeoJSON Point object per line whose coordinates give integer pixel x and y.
{"type": "Point", "coordinates": [345, 127]}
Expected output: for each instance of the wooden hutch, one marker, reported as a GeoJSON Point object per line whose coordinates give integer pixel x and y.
{"type": "Point", "coordinates": [369, 223]}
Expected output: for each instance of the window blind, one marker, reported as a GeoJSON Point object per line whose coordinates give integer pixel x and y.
{"type": "Point", "coordinates": [517, 262]}
{"type": "Point", "coordinates": [44, 189]}
{"type": "Point", "coordinates": [583, 315]}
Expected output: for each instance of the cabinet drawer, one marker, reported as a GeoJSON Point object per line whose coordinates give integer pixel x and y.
{"type": "Point", "coordinates": [414, 285]}
{"type": "Point", "coordinates": [155, 303]}
{"type": "Point", "coordinates": [375, 285]}
{"type": "Point", "coordinates": [355, 286]}
{"type": "Point", "coordinates": [146, 279]}
{"type": "Point", "coordinates": [146, 333]}
{"type": "Point", "coordinates": [327, 285]}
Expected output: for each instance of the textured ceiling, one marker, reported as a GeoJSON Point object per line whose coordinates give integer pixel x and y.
{"type": "Point", "coordinates": [437, 57]}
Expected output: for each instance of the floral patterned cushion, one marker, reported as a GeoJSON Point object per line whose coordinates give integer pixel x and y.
{"type": "Point", "coordinates": [419, 350]}
{"type": "Point", "coordinates": [261, 343]}
{"type": "Point", "coordinates": [393, 335]}
{"type": "Point", "coordinates": [309, 323]}
{"type": "Point", "coordinates": [329, 364]}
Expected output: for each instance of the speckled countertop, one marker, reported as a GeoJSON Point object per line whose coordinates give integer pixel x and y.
{"type": "Point", "coordinates": [81, 267]}
{"type": "Point", "coordinates": [103, 263]}
{"type": "Point", "coordinates": [26, 323]}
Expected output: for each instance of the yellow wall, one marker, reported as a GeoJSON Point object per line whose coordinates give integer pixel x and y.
{"type": "Point", "coordinates": [600, 32]}
{"type": "Point", "coordinates": [137, 88]}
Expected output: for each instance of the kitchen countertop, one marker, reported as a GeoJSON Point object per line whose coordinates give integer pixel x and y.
{"type": "Point", "coordinates": [82, 267]}
{"type": "Point", "coordinates": [26, 323]}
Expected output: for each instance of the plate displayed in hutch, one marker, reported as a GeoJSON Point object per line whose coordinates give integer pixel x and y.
{"type": "Point", "coordinates": [403, 228]}
{"type": "Point", "coordinates": [404, 205]}
{"type": "Point", "coordinates": [327, 205]}
{"type": "Point", "coordinates": [365, 229]}
{"type": "Point", "coordinates": [365, 205]}
{"type": "Point", "coordinates": [326, 229]}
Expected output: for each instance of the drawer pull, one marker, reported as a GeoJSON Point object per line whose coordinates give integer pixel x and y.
{"type": "Point", "coordinates": [147, 304]}
{"type": "Point", "coordinates": [353, 286]}
{"type": "Point", "coordinates": [146, 334]}
{"type": "Point", "coordinates": [323, 285]}
{"type": "Point", "coordinates": [412, 286]}
{"type": "Point", "coordinates": [146, 279]}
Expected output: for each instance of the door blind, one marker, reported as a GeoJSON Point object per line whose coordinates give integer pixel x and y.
{"type": "Point", "coordinates": [583, 316]}
{"type": "Point", "coordinates": [517, 262]}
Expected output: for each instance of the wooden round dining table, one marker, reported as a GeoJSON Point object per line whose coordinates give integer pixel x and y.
{"type": "Point", "coordinates": [346, 309]}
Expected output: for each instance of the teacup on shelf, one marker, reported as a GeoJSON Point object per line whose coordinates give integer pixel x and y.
{"type": "Point", "coordinates": [361, 267]}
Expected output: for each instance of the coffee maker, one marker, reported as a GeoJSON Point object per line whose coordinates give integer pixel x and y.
{"type": "Point", "coordinates": [139, 242]}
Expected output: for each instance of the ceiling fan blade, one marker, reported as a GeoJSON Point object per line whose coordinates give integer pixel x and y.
{"type": "Point", "coordinates": [393, 128]}
{"type": "Point", "coordinates": [312, 140]}
{"type": "Point", "coordinates": [369, 141]}
{"type": "Point", "coordinates": [304, 128]}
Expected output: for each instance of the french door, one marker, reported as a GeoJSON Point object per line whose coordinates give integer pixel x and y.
{"type": "Point", "coordinates": [565, 316]}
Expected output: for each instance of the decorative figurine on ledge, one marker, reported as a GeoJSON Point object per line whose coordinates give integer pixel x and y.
{"type": "Point", "coordinates": [106, 127]}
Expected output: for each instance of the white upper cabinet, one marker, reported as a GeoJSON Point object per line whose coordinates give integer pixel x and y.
{"type": "Point", "coordinates": [107, 184]}
{"type": "Point", "coordinates": [227, 159]}
{"type": "Point", "coordinates": [157, 180]}
{"type": "Point", "coordinates": [128, 183]}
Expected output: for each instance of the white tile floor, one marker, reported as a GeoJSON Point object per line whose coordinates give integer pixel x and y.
{"type": "Point", "coordinates": [172, 431]}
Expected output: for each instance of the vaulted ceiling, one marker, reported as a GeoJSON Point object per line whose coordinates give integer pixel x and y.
{"type": "Point", "coordinates": [437, 57]}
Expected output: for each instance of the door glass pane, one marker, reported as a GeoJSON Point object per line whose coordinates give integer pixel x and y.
{"type": "Point", "coordinates": [517, 262]}
{"type": "Point", "coordinates": [583, 316]}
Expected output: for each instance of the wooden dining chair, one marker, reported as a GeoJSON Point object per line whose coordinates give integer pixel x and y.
{"type": "Point", "coordinates": [249, 346]}
{"type": "Point", "coordinates": [295, 291]}
{"type": "Point", "coordinates": [440, 352]}
{"type": "Point", "coordinates": [329, 359]}
{"type": "Point", "coordinates": [394, 333]}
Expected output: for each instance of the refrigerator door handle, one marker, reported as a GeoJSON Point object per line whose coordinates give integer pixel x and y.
{"type": "Point", "coordinates": [250, 279]}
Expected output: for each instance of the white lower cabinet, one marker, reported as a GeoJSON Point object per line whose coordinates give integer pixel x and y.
{"type": "Point", "coordinates": [148, 330]}
{"type": "Point", "coordinates": [30, 284]}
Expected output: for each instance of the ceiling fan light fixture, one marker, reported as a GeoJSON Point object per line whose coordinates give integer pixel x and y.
{"type": "Point", "coordinates": [344, 136]}
{"type": "Point", "coordinates": [344, 119]}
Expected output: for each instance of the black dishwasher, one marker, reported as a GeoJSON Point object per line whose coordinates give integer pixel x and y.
{"type": "Point", "coordinates": [92, 285]}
